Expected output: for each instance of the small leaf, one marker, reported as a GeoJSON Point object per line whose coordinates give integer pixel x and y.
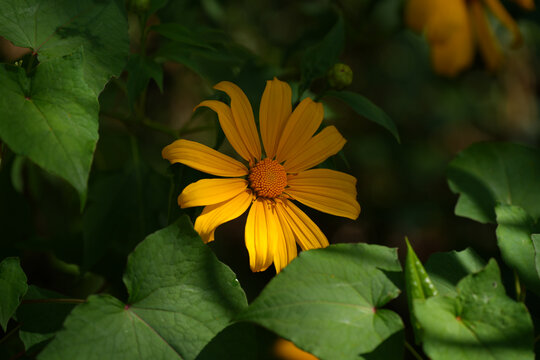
{"type": "Point", "coordinates": [12, 287]}
{"type": "Point", "coordinates": [328, 301]}
{"type": "Point", "coordinates": [51, 117]}
{"type": "Point", "coordinates": [517, 248]}
{"type": "Point", "coordinates": [318, 58]}
{"type": "Point", "coordinates": [140, 71]}
{"type": "Point", "coordinates": [56, 28]}
{"type": "Point", "coordinates": [180, 298]}
{"type": "Point", "coordinates": [367, 109]}
{"type": "Point", "coordinates": [447, 269]}
{"type": "Point", "coordinates": [418, 285]}
{"type": "Point", "coordinates": [481, 322]}
{"type": "Point", "coordinates": [41, 320]}
{"type": "Point", "coordinates": [489, 173]}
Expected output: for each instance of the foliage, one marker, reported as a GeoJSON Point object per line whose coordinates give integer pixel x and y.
{"type": "Point", "coordinates": [98, 261]}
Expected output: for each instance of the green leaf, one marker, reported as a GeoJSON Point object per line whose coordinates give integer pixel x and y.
{"type": "Point", "coordinates": [140, 71]}
{"type": "Point", "coordinates": [328, 301]}
{"type": "Point", "coordinates": [367, 109]}
{"type": "Point", "coordinates": [516, 245]}
{"type": "Point", "coordinates": [12, 287]}
{"type": "Point", "coordinates": [481, 322]}
{"type": "Point", "coordinates": [200, 37]}
{"type": "Point", "coordinates": [41, 320]}
{"type": "Point", "coordinates": [56, 28]}
{"type": "Point", "coordinates": [51, 117]}
{"type": "Point", "coordinates": [417, 284]}
{"type": "Point", "coordinates": [536, 243]}
{"type": "Point", "coordinates": [318, 58]}
{"type": "Point", "coordinates": [180, 297]}
{"type": "Point", "coordinates": [489, 173]}
{"type": "Point", "coordinates": [120, 213]}
{"type": "Point", "coordinates": [207, 52]}
{"type": "Point", "coordinates": [447, 269]}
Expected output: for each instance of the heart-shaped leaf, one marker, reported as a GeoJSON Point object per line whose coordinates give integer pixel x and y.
{"type": "Point", "coordinates": [180, 297]}
{"type": "Point", "coordinates": [481, 322]}
{"type": "Point", "coordinates": [328, 301]}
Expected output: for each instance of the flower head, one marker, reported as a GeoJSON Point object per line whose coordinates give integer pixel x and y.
{"type": "Point", "coordinates": [267, 184]}
{"type": "Point", "coordinates": [453, 27]}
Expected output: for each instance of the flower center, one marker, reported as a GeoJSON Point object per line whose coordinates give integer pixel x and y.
{"type": "Point", "coordinates": [267, 178]}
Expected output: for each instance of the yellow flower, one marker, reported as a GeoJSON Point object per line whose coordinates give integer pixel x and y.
{"type": "Point", "coordinates": [453, 27]}
{"type": "Point", "coordinates": [286, 350]}
{"type": "Point", "coordinates": [268, 183]}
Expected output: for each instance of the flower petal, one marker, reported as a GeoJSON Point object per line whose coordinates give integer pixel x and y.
{"type": "Point", "coordinates": [261, 234]}
{"type": "Point", "coordinates": [306, 232]}
{"type": "Point", "coordinates": [243, 117]}
{"type": "Point", "coordinates": [214, 215]}
{"type": "Point", "coordinates": [319, 148]}
{"type": "Point", "coordinates": [286, 247]}
{"type": "Point", "coordinates": [500, 12]}
{"type": "Point", "coordinates": [450, 37]}
{"type": "Point", "coordinates": [274, 111]}
{"type": "Point", "coordinates": [417, 13]}
{"type": "Point", "coordinates": [526, 4]}
{"type": "Point", "coordinates": [329, 191]}
{"type": "Point", "coordinates": [489, 46]}
{"type": "Point", "coordinates": [300, 127]}
{"type": "Point", "coordinates": [228, 125]}
{"type": "Point", "coordinates": [203, 158]}
{"type": "Point", "coordinates": [210, 191]}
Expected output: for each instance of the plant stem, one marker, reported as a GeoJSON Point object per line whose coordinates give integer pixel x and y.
{"type": "Point", "coordinates": [55, 301]}
{"type": "Point", "coordinates": [30, 63]}
{"type": "Point", "coordinates": [413, 351]}
{"type": "Point", "coordinates": [10, 333]}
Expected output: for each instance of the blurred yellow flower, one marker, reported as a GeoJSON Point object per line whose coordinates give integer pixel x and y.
{"type": "Point", "coordinates": [453, 27]}
{"type": "Point", "coordinates": [286, 350]}
{"type": "Point", "coordinates": [269, 182]}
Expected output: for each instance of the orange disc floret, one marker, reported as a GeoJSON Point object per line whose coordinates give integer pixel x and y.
{"type": "Point", "coordinates": [267, 178]}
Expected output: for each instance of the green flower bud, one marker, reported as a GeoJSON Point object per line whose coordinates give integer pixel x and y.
{"type": "Point", "coordinates": [339, 76]}
{"type": "Point", "coordinates": [139, 6]}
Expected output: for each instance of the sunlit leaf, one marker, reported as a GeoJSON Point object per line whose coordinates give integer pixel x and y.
{"type": "Point", "coordinates": [418, 285]}
{"type": "Point", "coordinates": [489, 173]}
{"type": "Point", "coordinates": [55, 28]}
{"type": "Point", "coordinates": [367, 109]}
{"type": "Point", "coordinates": [516, 245]}
{"type": "Point", "coordinates": [12, 287]}
{"type": "Point", "coordinates": [180, 297]}
{"type": "Point", "coordinates": [481, 322]}
{"type": "Point", "coordinates": [447, 269]}
{"type": "Point", "coordinates": [51, 117]}
{"type": "Point", "coordinates": [329, 301]}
